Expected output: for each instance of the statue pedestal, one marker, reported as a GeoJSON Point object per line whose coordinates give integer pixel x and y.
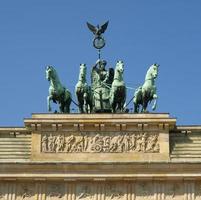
{"type": "Point", "coordinates": [100, 137]}
{"type": "Point", "coordinates": [100, 156]}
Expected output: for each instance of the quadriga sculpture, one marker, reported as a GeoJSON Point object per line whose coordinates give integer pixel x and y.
{"type": "Point", "coordinates": [118, 89]}
{"type": "Point", "coordinates": [57, 92]}
{"type": "Point", "coordinates": [83, 92]}
{"type": "Point", "coordinates": [147, 92]}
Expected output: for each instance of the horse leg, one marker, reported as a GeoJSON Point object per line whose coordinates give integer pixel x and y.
{"type": "Point", "coordinates": [85, 109]}
{"type": "Point", "coordinates": [136, 108]}
{"type": "Point", "coordinates": [67, 102]}
{"type": "Point", "coordinates": [155, 97]}
{"type": "Point", "coordinates": [123, 103]}
{"type": "Point", "coordinates": [144, 106]}
{"type": "Point", "coordinates": [90, 105]}
{"type": "Point", "coordinates": [80, 108]}
{"type": "Point", "coordinates": [85, 105]}
{"type": "Point", "coordinates": [114, 107]}
{"type": "Point", "coordinates": [61, 108]}
{"type": "Point", "coordinates": [67, 106]}
{"type": "Point", "coordinates": [136, 104]}
{"type": "Point", "coordinates": [121, 106]}
{"type": "Point", "coordinates": [113, 104]}
{"type": "Point", "coordinates": [112, 100]}
{"type": "Point", "coordinates": [49, 98]}
{"type": "Point", "coordinates": [80, 103]}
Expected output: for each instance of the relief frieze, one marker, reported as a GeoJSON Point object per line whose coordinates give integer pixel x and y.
{"type": "Point", "coordinates": [55, 191]}
{"type": "Point", "coordinates": [84, 192]}
{"type": "Point", "coordinates": [26, 191]}
{"type": "Point", "coordinates": [100, 143]}
{"type": "Point", "coordinates": [115, 191]}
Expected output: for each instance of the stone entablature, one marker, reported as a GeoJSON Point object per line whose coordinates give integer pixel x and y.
{"type": "Point", "coordinates": [97, 137]}
{"type": "Point", "coordinates": [116, 190]}
{"type": "Point", "coordinates": [100, 157]}
{"type": "Point", "coordinates": [109, 134]}
{"type": "Point", "coordinates": [99, 122]}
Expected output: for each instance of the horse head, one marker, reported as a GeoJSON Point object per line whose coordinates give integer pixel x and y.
{"type": "Point", "coordinates": [152, 72]}
{"type": "Point", "coordinates": [83, 71]}
{"type": "Point", "coordinates": [120, 66]}
{"type": "Point", "coordinates": [50, 73]}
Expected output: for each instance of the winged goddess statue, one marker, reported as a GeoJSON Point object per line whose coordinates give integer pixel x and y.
{"type": "Point", "coordinates": [98, 41]}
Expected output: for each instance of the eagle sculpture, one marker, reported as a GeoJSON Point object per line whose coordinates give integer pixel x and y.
{"type": "Point", "coordinates": [97, 30]}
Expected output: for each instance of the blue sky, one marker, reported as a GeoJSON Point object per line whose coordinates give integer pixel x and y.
{"type": "Point", "coordinates": [37, 33]}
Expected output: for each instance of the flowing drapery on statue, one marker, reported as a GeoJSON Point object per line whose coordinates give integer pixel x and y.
{"type": "Point", "coordinates": [147, 92]}
{"type": "Point", "coordinates": [57, 92]}
{"type": "Point", "coordinates": [83, 92]}
{"type": "Point", "coordinates": [101, 81]}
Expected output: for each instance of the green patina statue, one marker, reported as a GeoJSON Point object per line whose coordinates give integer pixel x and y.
{"type": "Point", "coordinates": [57, 92]}
{"type": "Point", "coordinates": [118, 90]}
{"type": "Point", "coordinates": [83, 92]}
{"type": "Point", "coordinates": [147, 92]}
{"type": "Point", "coordinates": [101, 81]}
{"type": "Point", "coordinates": [107, 92]}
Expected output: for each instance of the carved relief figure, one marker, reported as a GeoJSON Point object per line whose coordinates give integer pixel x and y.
{"type": "Point", "coordinates": [173, 191]}
{"type": "Point", "coordinates": [144, 191]}
{"type": "Point", "coordinates": [114, 192]}
{"type": "Point", "coordinates": [69, 143]}
{"type": "Point", "coordinates": [60, 143]}
{"type": "Point", "coordinates": [151, 144]}
{"type": "Point", "coordinates": [133, 142]}
{"type": "Point", "coordinates": [84, 192]}
{"type": "Point", "coordinates": [143, 142]}
{"type": "Point", "coordinates": [26, 192]}
{"type": "Point", "coordinates": [78, 144]}
{"type": "Point", "coordinates": [44, 143]}
{"type": "Point", "coordinates": [98, 143]}
{"type": "Point", "coordinates": [3, 189]}
{"type": "Point", "coordinates": [139, 143]}
{"type": "Point", "coordinates": [54, 191]}
{"type": "Point", "coordinates": [126, 143]}
{"type": "Point", "coordinates": [51, 143]}
{"type": "Point", "coordinates": [2, 196]}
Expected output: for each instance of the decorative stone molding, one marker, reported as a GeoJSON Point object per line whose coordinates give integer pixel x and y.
{"type": "Point", "coordinates": [115, 190]}
{"type": "Point", "coordinates": [85, 192]}
{"type": "Point", "coordinates": [112, 142]}
{"type": "Point", "coordinates": [26, 191]}
{"type": "Point", "coordinates": [55, 190]}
